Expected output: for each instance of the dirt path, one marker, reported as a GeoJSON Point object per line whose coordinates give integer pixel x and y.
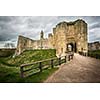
{"type": "Point", "coordinates": [80, 69]}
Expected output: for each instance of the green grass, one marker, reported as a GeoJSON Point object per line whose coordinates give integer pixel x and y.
{"type": "Point", "coordinates": [95, 53]}
{"type": "Point", "coordinates": [9, 67]}
{"type": "Point", "coordinates": [39, 77]}
{"type": "Point", "coordinates": [30, 56]}
{"type": "Point", "coordinates": [11, 75]}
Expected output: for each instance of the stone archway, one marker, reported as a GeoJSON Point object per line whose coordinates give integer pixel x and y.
{"type": "Point", "coordinates": [71, 47]}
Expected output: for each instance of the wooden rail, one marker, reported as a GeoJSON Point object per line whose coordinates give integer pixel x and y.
{"type": "Point", "coordinates": [32, 68]}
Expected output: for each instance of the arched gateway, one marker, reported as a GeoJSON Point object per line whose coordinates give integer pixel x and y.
{"type": "Point", "coordinates": [71, 47]}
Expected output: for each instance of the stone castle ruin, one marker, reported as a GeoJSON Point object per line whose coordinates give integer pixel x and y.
{"type": "Point", "coordinates": [66, 36]}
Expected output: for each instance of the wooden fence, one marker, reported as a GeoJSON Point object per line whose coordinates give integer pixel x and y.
{"type": "Point", "coordinates": [35, 67]}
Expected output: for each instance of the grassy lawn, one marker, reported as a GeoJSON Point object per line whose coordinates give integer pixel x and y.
{"type": "Point", "coordinates": [9, 67]}
{"type": "Point", "coordinates": [30, 56]}
{"type": "Point", "coordinates": [11, 75]}
{"type": "Point", "coordinates": [95, 53]}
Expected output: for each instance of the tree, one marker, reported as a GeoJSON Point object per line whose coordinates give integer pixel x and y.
{"type": "Point", "coordinates": [9, 45]}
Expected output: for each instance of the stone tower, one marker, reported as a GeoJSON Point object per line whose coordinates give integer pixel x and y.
{"type": "Point", "coordinates": [73, 34]}
{"type": "Point", "coordinates": [41, 39]}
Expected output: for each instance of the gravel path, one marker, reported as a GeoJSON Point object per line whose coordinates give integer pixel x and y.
{"type": "Point", "coordinates": [80, 69]}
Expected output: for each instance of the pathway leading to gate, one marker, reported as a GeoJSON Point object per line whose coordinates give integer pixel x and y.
{"type": "Point", "coordinates": [80, 69]}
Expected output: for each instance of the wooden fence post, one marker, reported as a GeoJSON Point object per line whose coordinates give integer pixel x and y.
{"type": "Point", "coordinates": [65, 59]}
{"type": "Point", "coordinates": [21, 72]}
{"type": "Point", "coordinates": [68, 57]}
{"type": "Point", "coordinates": [96, 56]}
{"type": "Point", "coordinates": [40, 66]}
{"type": "Point", "coordinates": [60, 61]}
{"type": "Point", "coordinates": [72, 56]}
{"type": "Point", "coordinates": [51, 63]}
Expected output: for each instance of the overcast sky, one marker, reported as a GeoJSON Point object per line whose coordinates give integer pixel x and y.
{"type": "Point", "coordinates": [30, 26]}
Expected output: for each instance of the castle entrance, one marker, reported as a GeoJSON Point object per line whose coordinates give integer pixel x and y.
{"type": "Point", "coordinates": [71, 47]}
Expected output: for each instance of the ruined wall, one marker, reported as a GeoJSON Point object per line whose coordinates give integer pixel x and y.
{"type": "Point", "coordinates": [81, 33]}
{"type": "Point", "coordinates": [51, 41]}
{"type": "Point", "coordinates": [60, 38]}
{"type": "Point", "coordinates": [25, 43]}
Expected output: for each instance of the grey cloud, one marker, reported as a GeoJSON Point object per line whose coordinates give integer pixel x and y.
{"type": "Point", "coordinates": [30, 26]}
{"type": "Point", "coordinates": [6, 18]}
{"type": "Point", "coordinates": [95, 25]}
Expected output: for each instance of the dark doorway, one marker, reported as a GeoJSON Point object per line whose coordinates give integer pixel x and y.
{"type": "Point", "coordinates": [75, 48]}
{"type": "Point", "coordinates": [71, 47]}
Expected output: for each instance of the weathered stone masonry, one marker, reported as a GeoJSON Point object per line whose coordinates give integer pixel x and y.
{"type": "Point", "coordinates": [63, 35]}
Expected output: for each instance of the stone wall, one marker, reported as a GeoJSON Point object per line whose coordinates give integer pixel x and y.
{"type": "Point", "coordinates": [25, 43]}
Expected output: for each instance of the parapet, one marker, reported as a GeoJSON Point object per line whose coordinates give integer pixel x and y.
{"type": "Point", "coordinates": [70, 23]}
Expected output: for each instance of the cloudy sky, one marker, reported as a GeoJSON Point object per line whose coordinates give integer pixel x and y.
{"type": "Point", "coordinates": [30, 26]}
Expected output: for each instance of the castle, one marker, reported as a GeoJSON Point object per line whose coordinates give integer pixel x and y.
{"type": "Point", "coordinates": [65, 37]}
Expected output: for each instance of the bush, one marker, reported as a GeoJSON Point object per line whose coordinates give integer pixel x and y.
{"type": "Point", "coordinates": [95, 54]}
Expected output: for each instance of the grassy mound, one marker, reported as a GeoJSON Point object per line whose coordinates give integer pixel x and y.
{"type": "Point", "coordinates": [9, 67]}
{"type": "Point", "coordinates": [29, 56]}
